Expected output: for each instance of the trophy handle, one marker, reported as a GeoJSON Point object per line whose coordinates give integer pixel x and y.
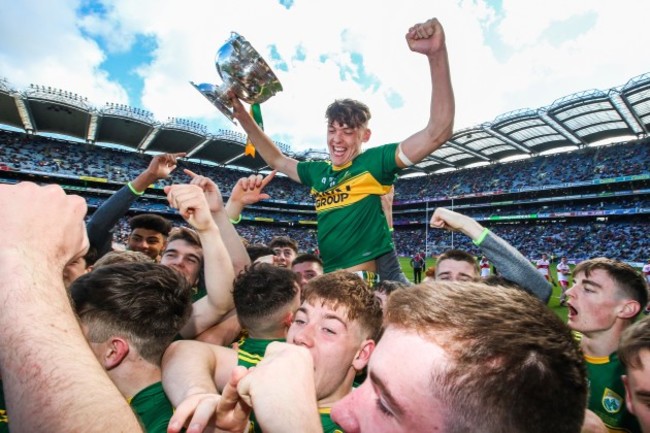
{"type": "Point", "coordinates": [218, 96]}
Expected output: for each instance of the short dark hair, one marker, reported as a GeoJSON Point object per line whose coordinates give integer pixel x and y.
{"type": "Point", "coordinates": [151, 221]}
{"type": "Point", "coordinates": [628, 281]}
{"type": "Point", "coordinates": [633, 340]}
{"type": "Point", "coordinates": [348, 112]}
{"type": "Point", "coordinates": [146, 302]}
{"type": "Point", "coordinates": [283, 241]}
{"type": "Point", "coordinates": [91, 256]}
{"type": "Point", "coordinates": [255, 251]}
{"type": "Point", "coordinates": [345, 289]}
{"type": "Point", "coordinates": [507, 351]}
{"type": "Point", "coordinates": [459, 256]}
{"type": "Point", "coordinates": [307, 258]}
{"type": "Point", "coordinates": [262, 292]}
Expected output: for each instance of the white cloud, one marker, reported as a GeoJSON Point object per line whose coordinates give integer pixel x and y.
{"type": "Point", "coordinates": [501, 60]}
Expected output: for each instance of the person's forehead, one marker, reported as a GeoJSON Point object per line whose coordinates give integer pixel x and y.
{"type": "Point", "coordinates": [184, 247]}
{"type": "Point", "coordinates": [145, 233]}
{"type": "Point", "coordinates": [598, 276]}
{"type": "Point", "coordinates": [451, 265]}
{"type": "Point", "coordinates": [406, 383]}
{"type": "Point", "coordinates": [323, 308]}
{"type": "Point", "coordinates": [307, 266]}
{"type": "Point", "coordinates": [639, 375]}
{"type": "Point", "coordinates": [644, 356]}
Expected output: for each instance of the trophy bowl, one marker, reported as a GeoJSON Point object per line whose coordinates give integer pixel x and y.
{"type": "Point", "coordinates": [244, 72]}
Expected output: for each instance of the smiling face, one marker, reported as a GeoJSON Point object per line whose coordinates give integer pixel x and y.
{"type": "Point", "coordinates": [146, 241]}
{"type": "Point", "coordinates": [344, 142]}
{"type": "Point", "coordinates": [337, 345]}
{"type": "Point", "coordinates": [392, 397]}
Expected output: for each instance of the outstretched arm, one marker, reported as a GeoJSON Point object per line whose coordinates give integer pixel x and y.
{"type": "Point", "coordinates": [263, 143]}
{"type": "Point", "coordinates": [512, 265]}
{"type": "Point", "coordinates": [217, 267]}
{"type": "Point", "coordinates": [108, 214]}
{"type": "Point", "coordinates": [428, 38]}
{"type": "Point", "coordinates": [49, 369]}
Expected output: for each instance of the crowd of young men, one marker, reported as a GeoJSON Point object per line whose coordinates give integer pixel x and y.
{"type": "Point", "coordinates": [90, 341]}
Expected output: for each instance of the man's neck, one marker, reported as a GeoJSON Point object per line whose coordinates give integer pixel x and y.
{"type": "Point", "coordinates": [274, 334]}
{"type": "Point", "coordinates": [132, 378]}
{"type": "Point", "coordinates": [341, 391]}
{"type": "Point", "coordinates": [602, 343]}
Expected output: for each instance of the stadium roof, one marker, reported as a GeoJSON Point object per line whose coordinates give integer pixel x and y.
{"type": "Point", "coordinates": [572, 121]}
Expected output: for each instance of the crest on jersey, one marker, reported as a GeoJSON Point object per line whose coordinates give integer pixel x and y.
{"type": "Point", "coordinates": [612, 402]}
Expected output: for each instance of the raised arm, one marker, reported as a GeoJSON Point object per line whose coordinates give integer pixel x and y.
{"type": "Point", "coordinates": [428, 38]}
{"type": "Point", "coordinates": [217, 266]}
{"type": "Point", "coordinates": [52, 380]}
{"type": "Point", "coordinates": [109, 213]}
{"type": "Point", "coordinates": [263, 143]}
{"type": "Point", "coordinates": [221, 217]}
{"type": "Point", "coordinates": [247, 191]}
{"type": "Point", "coordinates": [512, 265]}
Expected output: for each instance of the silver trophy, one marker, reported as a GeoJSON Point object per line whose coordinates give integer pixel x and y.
{"type": "Point", "coordinates": [244, 72]}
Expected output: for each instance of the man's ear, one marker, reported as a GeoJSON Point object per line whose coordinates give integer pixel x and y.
{"type": "Point", "coordinates": [362, 357]}
{"type": "Point", "coordinates": [288, 318]}
{"type": "Point", "coordinates": [629, 309]}
{"type": "Point", "coordinates": [366, 135]}
{"type": "Point", "coordinates": [116, 350]}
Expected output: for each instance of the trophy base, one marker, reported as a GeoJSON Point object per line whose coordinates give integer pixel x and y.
{"type": "Point", "coordinates": [217, 97]}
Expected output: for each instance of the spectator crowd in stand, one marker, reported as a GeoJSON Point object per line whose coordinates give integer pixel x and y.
{"type": "Point", "coordinates": [577, 240]}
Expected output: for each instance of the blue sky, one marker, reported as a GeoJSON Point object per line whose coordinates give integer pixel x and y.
{"type": "Point", "coordinates": [505, 55]}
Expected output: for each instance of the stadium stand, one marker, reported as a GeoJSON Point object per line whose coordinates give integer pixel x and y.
{"type": "Point", "coordinates": [587, 202]}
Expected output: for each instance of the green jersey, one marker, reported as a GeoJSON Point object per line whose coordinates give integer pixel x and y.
{"type": "Point", "coordinates": [153, 408]}
{"type": "Point", "coordinates": [607, 394]}
{"type": "Point", "coordinates": [251, 350]}
{"type": "Point", "coordinates": [352, 227]}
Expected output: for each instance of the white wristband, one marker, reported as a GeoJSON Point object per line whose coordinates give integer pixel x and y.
{"type": "Point", "coordinates": [402, 157]}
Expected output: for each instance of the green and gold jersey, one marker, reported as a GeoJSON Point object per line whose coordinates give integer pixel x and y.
{"type": "Point", "coordinates": [352, 227]}
{"type": "Point", "coordinates": [250, 351]}
{"type": "Point", "coordinates": [607, 394]}
{"type": "Point", "coordinates": [329, 426]}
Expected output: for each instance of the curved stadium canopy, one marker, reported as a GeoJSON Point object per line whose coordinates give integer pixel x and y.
{"type": "Point", "coordinates": [572, 121]}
